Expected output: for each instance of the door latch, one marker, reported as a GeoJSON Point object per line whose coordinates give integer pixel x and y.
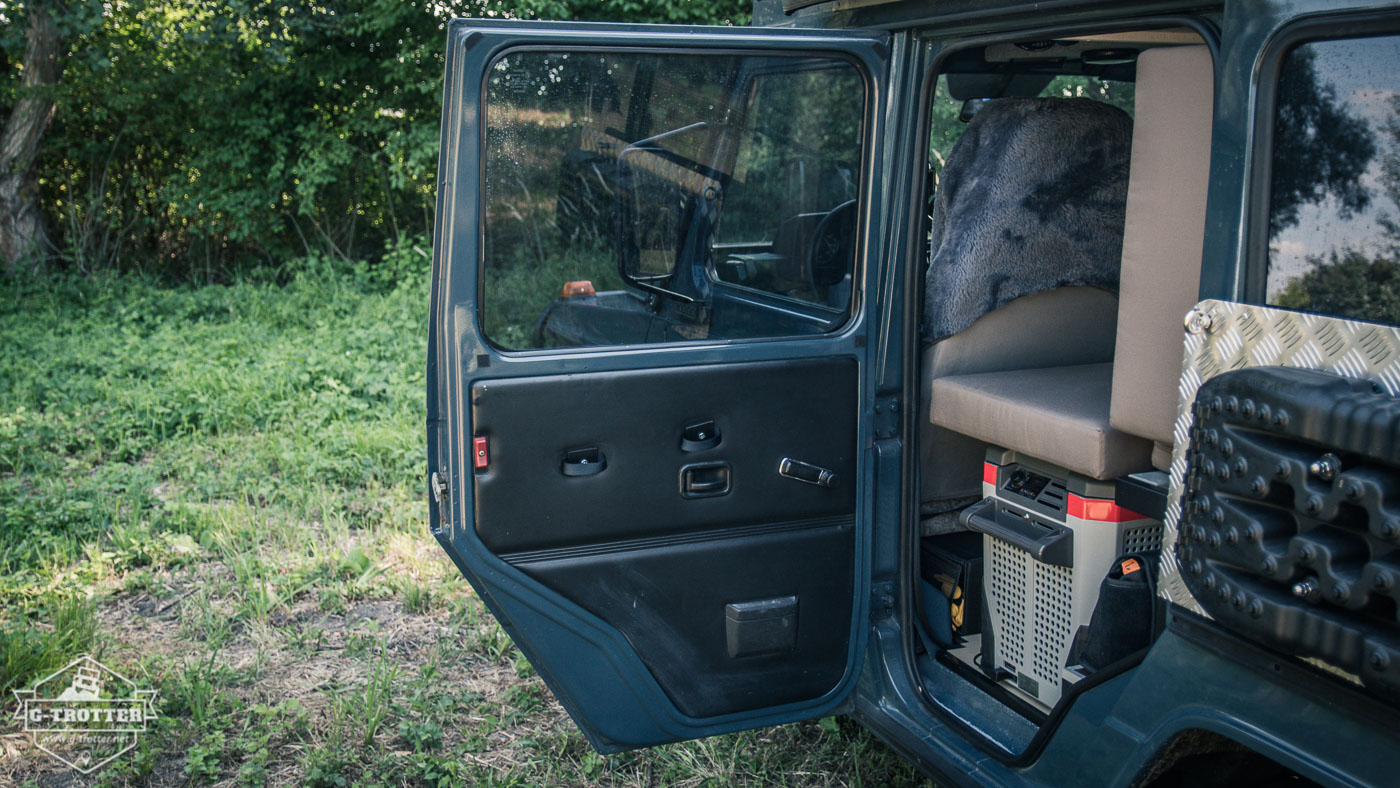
{"type": "Point", "coordinates": [583, 462]}
{"type": "Point", "coordinates": [700, 436]}
{"type": "Point", "coordinates": [806, 472]}
{"type": "Point", "coordinates": [439, 488]}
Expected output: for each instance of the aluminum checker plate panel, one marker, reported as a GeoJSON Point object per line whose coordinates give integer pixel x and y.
{"type": "Point", "coordinates": [1224, 336]}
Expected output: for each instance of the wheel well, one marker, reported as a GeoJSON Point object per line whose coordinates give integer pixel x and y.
{"type": "Point", "coordinates": [1203, 759]}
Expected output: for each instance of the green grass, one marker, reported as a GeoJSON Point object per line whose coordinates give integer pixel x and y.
{"type": "Point", "coordinates": [518, 290]}
{"type": "Point", "coordinates": [218, 491]}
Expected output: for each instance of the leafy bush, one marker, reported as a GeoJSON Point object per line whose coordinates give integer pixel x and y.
{"type": "Point", "coordinates": [197, 139]}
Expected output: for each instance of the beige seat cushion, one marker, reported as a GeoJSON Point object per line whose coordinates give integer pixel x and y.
{"type": "Point", "coordinates": [1057, 414]}
{"type": "Point", "coordinates": [1162, 237]}
{"type": "Point", "coordinates": [1068, 325]}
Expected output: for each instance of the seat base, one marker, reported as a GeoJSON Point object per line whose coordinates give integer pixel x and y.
{"type": "Point", "coordinates": [1069, 325]}
{"type": "Point", "coordinates": [1057, 414]}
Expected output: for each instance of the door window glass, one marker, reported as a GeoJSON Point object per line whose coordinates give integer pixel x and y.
{"type": "Point", "coordinates": [1334, 197]}
{"type": "Point", "coordinates": [797, 148]}
{"type": "Point", "coordinates": [633, 198]}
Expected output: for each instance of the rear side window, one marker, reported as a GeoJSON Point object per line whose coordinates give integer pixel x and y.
{"type": "Point", "coordinates": [636, 198]}
{"type": "Point", "coordinates": [1334, 193]}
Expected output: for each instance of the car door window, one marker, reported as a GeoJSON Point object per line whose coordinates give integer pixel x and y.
{"type": "Point", "coordinates": [789, 211]}
{"type": "Point", "coordinates": [625, 193]}
{"type": "Point", "coordinates": [1334, 207]}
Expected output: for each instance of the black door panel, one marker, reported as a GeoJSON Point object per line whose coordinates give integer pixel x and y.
{"type": "Point", "coordinates": [535, 494]}
{"type": "Point", "coordinates": [653, 500]}
{"type": "Point", "coordinates": [670, 601]}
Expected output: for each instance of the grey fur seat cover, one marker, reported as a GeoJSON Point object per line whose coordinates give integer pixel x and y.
{"type": "Point", "coordinates": [1032, 198]}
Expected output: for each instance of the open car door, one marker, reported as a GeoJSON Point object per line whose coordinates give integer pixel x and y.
{"type": "Point", "coordinates": [647, 377]}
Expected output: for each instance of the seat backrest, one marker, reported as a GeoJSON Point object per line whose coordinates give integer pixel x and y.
{"type": "Point", "coordinates": [1162, 238]}
{"type": "Point", "coordinates": [1057, 328]}
{"type": "Point", "coordinates": [1031, 199]}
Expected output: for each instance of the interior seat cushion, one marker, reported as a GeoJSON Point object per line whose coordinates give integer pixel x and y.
{"type": "Point", "coordinates": [1057, 414]}
{"type": "Point", "coordinates": [1068, 325]}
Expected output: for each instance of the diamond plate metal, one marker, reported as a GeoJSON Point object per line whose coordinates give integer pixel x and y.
{"type": "Point", "coordinates": [1244, 335]}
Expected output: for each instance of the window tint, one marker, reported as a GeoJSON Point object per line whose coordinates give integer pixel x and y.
{"type": "Point", "coordinates": [698, 196]}
{"type": "Point", "coordinates": [1334, 199]}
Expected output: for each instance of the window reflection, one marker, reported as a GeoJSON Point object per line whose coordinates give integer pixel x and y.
{"type": "Point", "coordinates": [1334, 212]}
{"type": "Point", "coordinates": [671, 183]}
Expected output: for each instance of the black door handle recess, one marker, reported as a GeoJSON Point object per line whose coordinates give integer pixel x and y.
{"type": "Point", "coordinates": [705, 480]}
{"type": "Point", "coordinates": [583, 462]}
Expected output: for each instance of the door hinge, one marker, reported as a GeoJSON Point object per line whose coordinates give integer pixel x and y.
{"type": "Point", "coordinates": [887, 417]}
{"type": "Point", "coordinates": [881, 601]}
{"type": "Point", "coordinates": [438, 484]}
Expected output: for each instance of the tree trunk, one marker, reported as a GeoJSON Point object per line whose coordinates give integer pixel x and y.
{"type": "Point", "coordinates": [24, 242]}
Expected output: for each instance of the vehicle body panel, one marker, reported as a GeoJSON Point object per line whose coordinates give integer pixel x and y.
{"type": "Point", "coordinates": [589, 663]}
{"type": "Point", "coordinates": [1196, 677]}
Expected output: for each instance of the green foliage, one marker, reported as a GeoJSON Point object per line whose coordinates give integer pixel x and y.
{"type": "Point", "coordinates": [1349, 284]}
{"type": "Point", "coordinates": [127, 411]}
{"type": "Point", "coordinates": [324, 768]}
{"type": "Point", "coordinates": [1320, 149]}
{"type": "Point", "coordinates": [273, 480]}
{"type": "Point", "coordinates": [421, 736]}
{"type": "Point", "coordinates": [1117, 94]}
{"type": "Point", "coordinates": [686, 12]}
{"type": "Point", "coordinates": [196, 138]}
{"type": "Point", "coordinates": [217, 133]}
{"type": "Point", "coordinates": [203, 757]}
{"type": "Point", "coordinates": [29, 653]}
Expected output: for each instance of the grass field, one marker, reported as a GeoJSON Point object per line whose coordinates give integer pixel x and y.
{"type": "Point", "coordinates": [217, 491]}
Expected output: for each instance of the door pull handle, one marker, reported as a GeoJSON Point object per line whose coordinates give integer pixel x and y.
{"type": "Point", "coordinates": [806, 472]}
{"type": "Point", "coordinates": [583, 462]}
{"type": "Point", "coordinates": [705, 480]}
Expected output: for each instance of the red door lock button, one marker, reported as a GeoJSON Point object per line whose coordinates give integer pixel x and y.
{"type": "Point", "coordinates": [479, 456]}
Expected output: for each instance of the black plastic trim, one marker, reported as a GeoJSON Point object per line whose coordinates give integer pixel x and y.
{"type": "Point", "coordinates": [1146, 499]}
{"type": "Point", "coordinates": [1287, 533]}
{"type": "Point", "coordinates": [671, 603]}
{"type": "Point", "coordinates": [1049, 543]}
{"type": "Point", "coordinates": [984, 683]}
{"type": "Point", "coordinates": [634, 419]}
{"type": "Point", "coordinates": [629, 545]}
{"type": "Point", "coordinates": [1042, 737]}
